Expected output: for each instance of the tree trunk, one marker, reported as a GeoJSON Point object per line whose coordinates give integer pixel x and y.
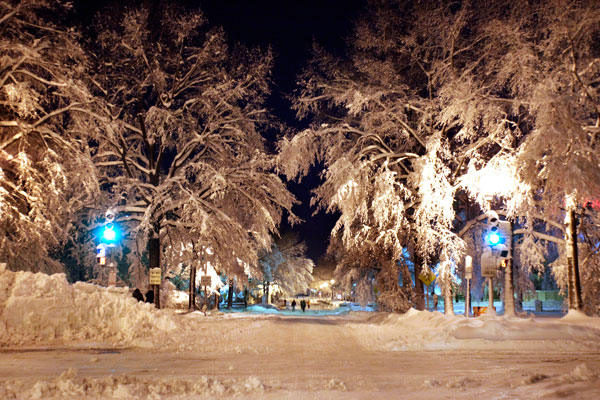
{"type": "Point", "coordinates": [230, 294]}
{"type": "Point", "coordinates": [407, 283]}
{"type": "Point", "coordinates": [420, 293]}
{"type": "Point", "coordinates": [154, 258]}
{"type": "Point", "coordinates": [192, 302]}
{"type": "Point", "coordinates": [509, 288]}
{"type": "Point", "coordinates": [574, 285]}
{"type": "Point", "coordinates": [447, 289]}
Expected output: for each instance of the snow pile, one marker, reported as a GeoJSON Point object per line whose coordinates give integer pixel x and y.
{"type": "Point", "coordinates": [170, 297]}
{"type": "Point", "coordinates": [41, 308]}
{"type": "Point", "coordinates": [423, 330]}
{"type": "Point", "coordinates": [70, 385]}
{"type": "Point", "coordinates": [45, 309]}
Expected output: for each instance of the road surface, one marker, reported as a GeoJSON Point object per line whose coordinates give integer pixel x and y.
{"type": "Point", "coordinates": [293, 358]}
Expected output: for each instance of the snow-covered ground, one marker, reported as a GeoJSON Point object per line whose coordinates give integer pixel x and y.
{"type": "Point", "coordinates": [82, 341]}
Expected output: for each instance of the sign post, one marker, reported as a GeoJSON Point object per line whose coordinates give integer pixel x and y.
{"type": "Point", "coordinates": [468, 277]}
{"type": "Point", "coordinates": [112, 274]}
{"type": "Point", "coordinates": [154, 280]}
{"type": "Point", "coordinates": [427, 277]}
{"type": "Point", "coordinates": [489, 265]}
{"type": "Point", "coordinates": [205, 281]}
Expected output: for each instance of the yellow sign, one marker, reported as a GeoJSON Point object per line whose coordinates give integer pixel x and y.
{"type": "Point", "coordinates": [427, 277]}
{"type": "Point", "coordinates": [205, 280]}
{"type": "Point", "coordinates": [154, 276]}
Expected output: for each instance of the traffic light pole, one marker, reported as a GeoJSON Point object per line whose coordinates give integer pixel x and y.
{"type": "Point", "coordinates": [490, 297]}
{"type": "Point", "coordinates": [468, 299]}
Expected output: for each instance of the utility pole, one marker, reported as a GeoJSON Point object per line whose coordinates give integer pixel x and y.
{"type": "Point", "coordinates": [574, 284]}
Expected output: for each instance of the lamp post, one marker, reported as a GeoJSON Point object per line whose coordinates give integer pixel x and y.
{"type": "Point", "coordinates": [332, 282]}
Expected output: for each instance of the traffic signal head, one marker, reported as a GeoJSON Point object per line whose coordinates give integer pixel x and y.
{"type": "Point", "coordinates": [493, 238]}
{"type": "Point", "coordinates": [109, 233]}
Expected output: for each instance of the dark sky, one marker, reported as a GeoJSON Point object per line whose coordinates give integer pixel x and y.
{"type": "Point", "coordinates": [289, 27]}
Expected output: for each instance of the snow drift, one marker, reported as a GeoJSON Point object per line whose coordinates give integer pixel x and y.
{"type": "Point", "coordinates": [423, 330]}
{"type": "Point", "coordinates": [45, 308]}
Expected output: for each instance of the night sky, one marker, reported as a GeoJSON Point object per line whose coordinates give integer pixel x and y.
{"type": "Point", "coordinates": [289, 28]}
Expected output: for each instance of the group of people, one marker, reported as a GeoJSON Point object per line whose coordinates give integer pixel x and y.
{"type": "Point", "coordinates": [149, 298]}
{"type": "Point", "coordinates": [303, 304]}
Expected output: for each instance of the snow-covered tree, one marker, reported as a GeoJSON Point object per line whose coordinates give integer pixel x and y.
{"type": "Point", "coordinates": [540, 68]}
{"type": "Point", "coordinates": [46, 174]}
{"type": "Point", "coordinates": [180, 146]}
{"type": "Point", "coordinates": [561, 155]}
{"type": "Point", "coordinates": [392, 146]}
{"type": "Point", "coordinates": [287, 266]}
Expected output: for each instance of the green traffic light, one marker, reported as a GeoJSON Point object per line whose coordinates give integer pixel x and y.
{"type": "Point", "coordinates": [109, 234]}
{"type": "Point", "coordinates": [493, 239]}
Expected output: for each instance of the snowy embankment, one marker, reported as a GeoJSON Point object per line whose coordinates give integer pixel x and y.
{"type": "Point", "coordinates": [38, 308]}
{"type": "Point", "coordinates": [423, 330]}
{"type": "Point", "coordinates": [46, 309]}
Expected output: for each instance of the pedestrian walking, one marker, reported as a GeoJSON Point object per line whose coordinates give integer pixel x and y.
{"type": "Point", "coordinates": [294, 305]}
{"type": "Point", "coordinates": [303, 305]}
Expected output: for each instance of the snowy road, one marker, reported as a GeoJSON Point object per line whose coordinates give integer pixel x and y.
{"type": "Point", "coordinates": [296, 358]}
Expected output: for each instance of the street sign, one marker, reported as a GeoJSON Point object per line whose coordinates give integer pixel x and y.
{"type": "Point", "coordinates": [488, 264]}
{"type": "Point", "coordinates": [427, 277]}
{"type": "Point", "coordinates": [205, 280]}
{"type": "Point", "coordinates": [155, 275]}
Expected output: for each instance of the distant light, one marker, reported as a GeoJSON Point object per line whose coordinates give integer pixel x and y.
{"type": "Point", "coordinates": [493, 239]}
{"type": "Point", "coordinates": [109, 234]}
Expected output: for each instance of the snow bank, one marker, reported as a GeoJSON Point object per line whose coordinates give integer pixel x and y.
{"type": "Point", "coordinates": [44, 308]}
{"type": "Point", "coordinates": [71, 386]}
{"type": "Point", "coordinates": [39, 309]}
{"type": "Point", "coordinates": [423, 330]}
